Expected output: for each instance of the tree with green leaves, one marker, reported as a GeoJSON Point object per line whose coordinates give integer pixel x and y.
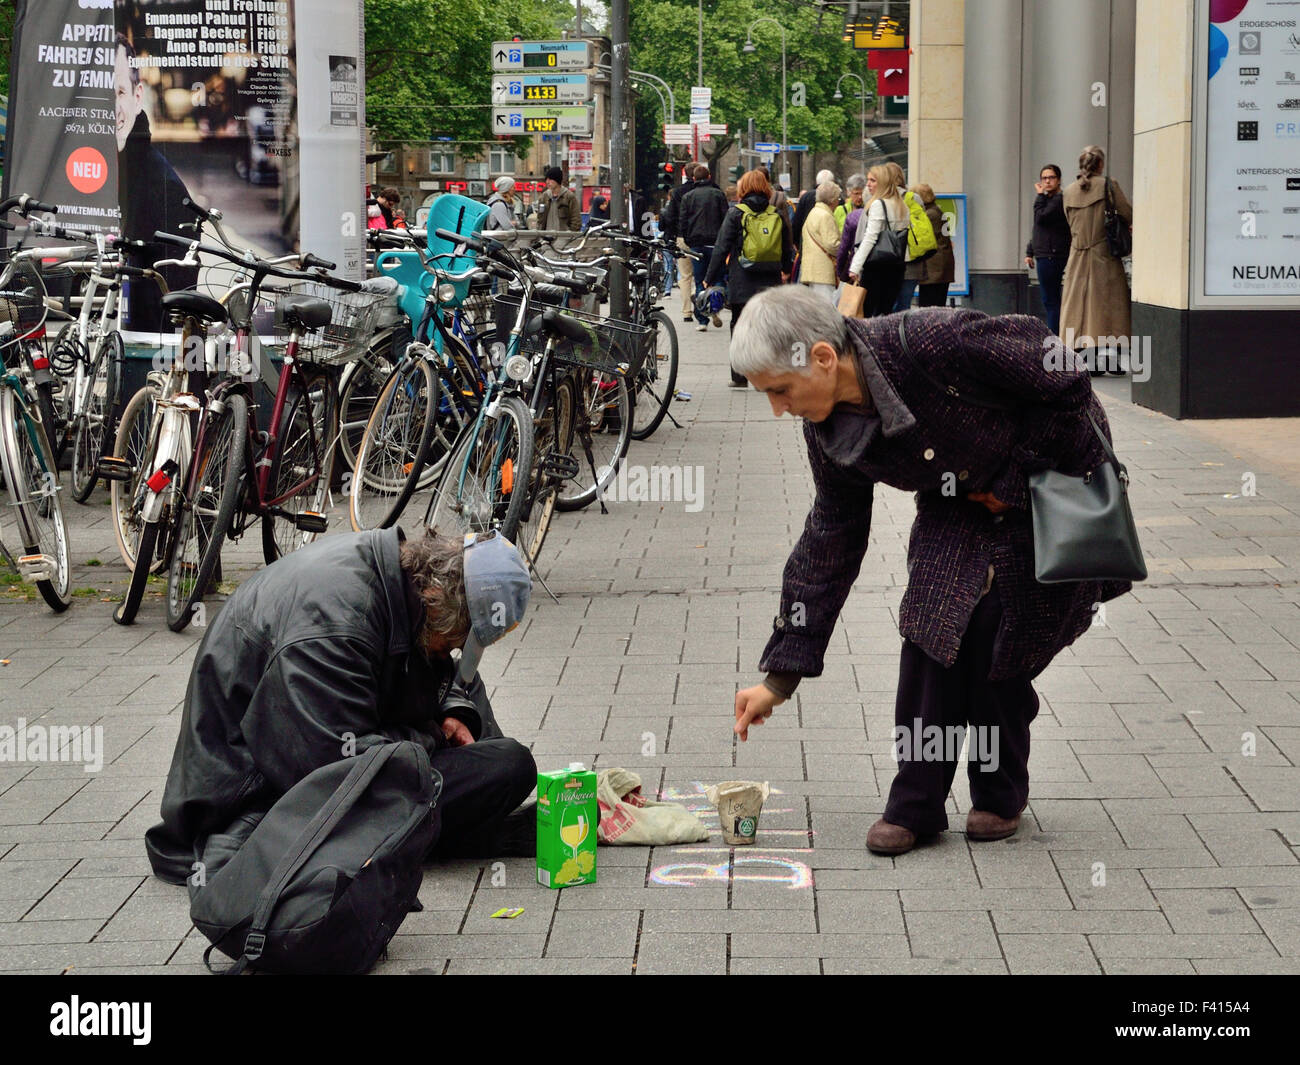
{"type": "Point", "coordinates": [429, 64]}
{"type": "Point", "coordinates": [664, 38]}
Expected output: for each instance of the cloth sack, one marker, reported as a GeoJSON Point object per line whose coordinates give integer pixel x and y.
{"type": "Point", "coordinates": [627, 816]}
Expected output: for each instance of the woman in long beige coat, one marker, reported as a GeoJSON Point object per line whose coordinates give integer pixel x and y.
{"type": "Point", "coordinates": [821, 242]}
{"type": "Point", "coordinates": [1095, 299]}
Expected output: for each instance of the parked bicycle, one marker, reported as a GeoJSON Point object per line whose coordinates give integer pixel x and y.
{"type": "Point", "coordinates": [26, 458]}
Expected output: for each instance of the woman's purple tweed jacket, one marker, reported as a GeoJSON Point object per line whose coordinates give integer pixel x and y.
{"type": "Point", "coordinates": [914, 435]}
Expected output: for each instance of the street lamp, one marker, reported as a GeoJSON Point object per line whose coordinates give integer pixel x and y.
{"type": "Point", "coordinates": [863, 128]}
{"type": "Point", "coordinates": [749, 49]}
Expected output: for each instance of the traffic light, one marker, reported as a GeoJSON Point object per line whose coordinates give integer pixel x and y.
{"type": "Point", "coordinates": [665, 177]}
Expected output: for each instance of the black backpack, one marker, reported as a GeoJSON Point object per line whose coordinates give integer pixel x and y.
{"type": "Point", "coordinates": [329, 872]}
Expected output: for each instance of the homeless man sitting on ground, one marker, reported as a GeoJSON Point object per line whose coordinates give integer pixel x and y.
{"type": "Point", "coordinates": [977, 627]}
{"type": "Point", "coordinates": [336, 648]}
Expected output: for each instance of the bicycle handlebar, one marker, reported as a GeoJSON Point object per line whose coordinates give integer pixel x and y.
{"type": "Point", "coordinates": [260, 266]}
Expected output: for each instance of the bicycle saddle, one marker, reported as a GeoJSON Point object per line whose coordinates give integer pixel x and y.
{"type": "Point", "coordinates": [559, 324]}
{"type": "Point", "coordinates": [181, 305]}
{"type": "Point", "coordinates": [307, 312]}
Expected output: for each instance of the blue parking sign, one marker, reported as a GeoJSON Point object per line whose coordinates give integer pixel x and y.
{"type": "Point", "coordinates": [516, 120]}
{"type": "Point", "coordinates": [516, 88]}
{"type": "Point", "coordinates": [516, 55]}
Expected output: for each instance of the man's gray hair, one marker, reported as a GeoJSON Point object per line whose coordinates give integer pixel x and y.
{"type": "Point", "coordinates": [828, 193]}
{"type": "Point", "coordinates": [825, 175]}
{"type": "Point", "coordinates": [435, 566]}
{"type": "Point", "coordinates": [779, 327]}
{"type": "Point", "coordinates": [857, 181]}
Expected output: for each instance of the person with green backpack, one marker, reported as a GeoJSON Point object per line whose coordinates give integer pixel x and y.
{"type": "Point", "coordinates": [754, 249]}
{"type": "Point", "coordinates": [922, 244]}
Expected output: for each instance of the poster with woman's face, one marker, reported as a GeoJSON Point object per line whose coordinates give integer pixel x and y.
{"type": "Point", "coordinates": [206, 107]}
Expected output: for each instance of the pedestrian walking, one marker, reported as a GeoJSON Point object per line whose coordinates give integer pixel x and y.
{"type": "Point", "coordinates": [1095, 309]}
{"type": "Point", "coordinates": [936, 272]}
{"type": "Point", "coordinates": [599, 210]}
{"type": "Point", "coordinates": [821, 243]}
{"type": "Point", "coordinates": [702, 212]}
{"type": "Point", "coordinates": [754, 249]}
{"type": "Point", "coordinates": [856, 182]}
{"type": "Point", "coordinates": [1049, 247]}
{"type": "Point", "coordinates": [977, 626]}
{"type": "Point", "coordinates": [885, 209]}
{"type": "Point", "coordinates": [807, 201]}
{"type": "Point", "coordinates": [856, 188]}
{"type": "Point", "coordinates": [501, 204]}
{"type": "Point", "coordinates": [558, 207]}
{"type": "Point", "coordinates": [669, 220]}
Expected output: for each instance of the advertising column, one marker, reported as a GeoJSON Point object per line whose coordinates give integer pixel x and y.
{"type": "Point", "coordinates": [1252, 151]}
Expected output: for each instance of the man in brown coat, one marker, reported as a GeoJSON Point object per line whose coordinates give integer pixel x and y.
{"type": "Point", "coordinates": [1095, 309]}
{"type": "Point", "coordinates": [558, 207]}
{"type": "Point", "coordinates": [881, 401]}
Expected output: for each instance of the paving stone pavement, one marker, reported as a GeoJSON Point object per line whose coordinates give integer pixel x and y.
{"type": "Point", "coordinates": [1162, 835]}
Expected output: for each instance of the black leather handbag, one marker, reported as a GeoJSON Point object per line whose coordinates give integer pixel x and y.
{"type": "Point", "coordinates": [1119, 235]}
{"type": "Point", "coordinates": [1083, 525]}
{"type": "Point", "coordinates": [890, 248]}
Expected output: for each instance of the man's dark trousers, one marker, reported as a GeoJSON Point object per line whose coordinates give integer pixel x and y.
{"type": "Point", "coordinates": [482, 783]}
{"type": "Point", "coordinates": [701, 268]}
{"type": "Point", "coordinates": [962, 695]}
{"type": "Point", "coordinates": [1051, 272]}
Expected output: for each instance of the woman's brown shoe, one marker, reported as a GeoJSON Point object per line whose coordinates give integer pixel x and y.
{"type": "Point", "coordinates": [984, 827]}
{"type": "Point", "coordinates": [884, 838]}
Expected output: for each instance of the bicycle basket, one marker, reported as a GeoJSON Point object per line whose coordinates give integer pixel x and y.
{"type": "Point", "coordinates": [612, 346]}
{"type": "Point", "coordinates": [22, 302]}
{"type": "Point", "coordinates": [352, 324]}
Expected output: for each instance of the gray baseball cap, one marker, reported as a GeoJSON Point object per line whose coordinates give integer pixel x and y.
{"type": "Point", "coordinates": [497, 587]}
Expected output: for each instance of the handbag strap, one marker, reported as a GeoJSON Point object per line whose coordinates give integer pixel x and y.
{"type": "Point", "coordinates": [977, 397]}
{"type": "Point", "coordinates": [345, 796]}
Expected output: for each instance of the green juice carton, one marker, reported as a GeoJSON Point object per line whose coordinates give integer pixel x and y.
{"type": "Point", "coordinates": [567, 816]}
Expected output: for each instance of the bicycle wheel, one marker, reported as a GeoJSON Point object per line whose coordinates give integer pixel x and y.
{"type": "Point", "coordinates": [391, 457]}
{"type": "Point", "coordinates": [95, 425]}
{"type": "Point", "coordinates": [203, 519]}
{"type": "Point", "coordinates": [136, 443]}
{"type": "Point", "coordinates": [553, 437]}
{"type": "Point", "coordinates": [484, 483]}
{"type": "Point", "coordinates": [365, 379]}
{"type": "Point", "coordinates": [299, 491]}
{"type": "Point", "coordinates": [657, 378]}
{"type": "Point", "coordinates": [147, 548]}
{"type": "Point", "coordinates": [602, 433]}
{"type": "Point", "coordinates": [33, 480]}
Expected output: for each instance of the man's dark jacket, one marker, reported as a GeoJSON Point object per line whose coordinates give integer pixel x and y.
{"type": "Point", "coordinates": [742, 284]}
{"type": "Point", "coordinates": [1051, 236]}
{"type": "Point", "coordinates": [701, 215]}
{"type": "Point", "coordinates": [670, 216]}
{"type": "Point", "coordinates": [151, 194]}
{"type": "Point", "coordinates": [311, 660]}
{"type": "Point", "coordinates": [806, 203]}
{"type": "Point", "coordinates": [918, 438]}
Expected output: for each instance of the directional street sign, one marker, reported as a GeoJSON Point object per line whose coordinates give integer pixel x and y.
{"type": "Point", "coordinates": [540, 55]}
{"type": "Point", "coordinates": [677, 133]}
{"type": "Point", "coordinates": [521, 120]}
{"type": "Point", "coordinates": [796, 147]}
{"type": "Point", "coordinates": [540, 88]}
{"type": "Point", "coordinates": [766, 146]}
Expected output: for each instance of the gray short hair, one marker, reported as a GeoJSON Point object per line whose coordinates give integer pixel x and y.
{"type": "Point", "coordinates": [824, 176]}
{"type": "Point", "coordinates": [780, 323]}
{"type": "Point", "coordinates": [857, 181]}
{"type": "Point", "coordinates": [435, 566]}
{"type": "Point", "coordinates": [828, 192]}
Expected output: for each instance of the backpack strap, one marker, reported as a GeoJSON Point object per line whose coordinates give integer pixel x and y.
{"type": "Point", "coordinates": [345, 796]}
